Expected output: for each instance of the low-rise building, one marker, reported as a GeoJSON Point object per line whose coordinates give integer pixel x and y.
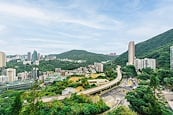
{"type": "Point", "coordinates": [68, 90]}
{"type": "Point", "coordinates": [98, 82]}
{"type": "Point", "coordinates": [27, 62]}
{"type": "Point", "coordinates": [23, 76]}
{"type": "Point", "coordinates": [3, 78]}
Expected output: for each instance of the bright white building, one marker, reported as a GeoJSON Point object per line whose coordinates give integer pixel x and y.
{"type": "Point", "coordinates": [68, 90]}
{"type": "Point", "coordinates": [145, 63]}
{"type": "Point", "coordinates": [27, 62]}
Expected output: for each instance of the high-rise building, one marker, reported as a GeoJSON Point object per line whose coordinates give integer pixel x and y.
{"type": "Point", "coordinates": [171, 57]}
{"type": "Point", "coordinates": [2, 59]}
{"type": "Point", "coordinates": [131, 53]}
{"type": "Point", "coordinates": [29, 56]}
{"type": "Point", "coordinates": [38, 56]}
{"type": "Point", "coordinates": [35, 73]}
{"type": "Point", "coordinates": [34, 56]}
{"type": "Point", "coordinates": [11, 74]}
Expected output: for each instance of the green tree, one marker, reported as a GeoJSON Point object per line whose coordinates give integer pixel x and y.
{"type": "Point", "coordinates": [122, 110]}
{"type": "Point", "coordinates": [16, 105]}
{"type": "Point", "coordinates": [154, 82]}
{"type": "Point", "coordinates": [33, 101]}
{"type": "Point", "coordinates": [143, 101]}
{"type": "Point", "coordinates": [129, 71]}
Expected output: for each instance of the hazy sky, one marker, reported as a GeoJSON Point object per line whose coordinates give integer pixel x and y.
{"type": "Point", "coordinates": [102, 26]}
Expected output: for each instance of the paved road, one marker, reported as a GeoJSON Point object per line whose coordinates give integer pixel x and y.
{"type": "Point", "coordinates": [53, 98]}
{"type": "Point", "coordinates": [89, 91]}
{"type": "Point", "coordinates": [106, 86]}
{"type": "Point", "coordinates": [116, 96]}
{"type": "Point", "coordinates": [169, 98]}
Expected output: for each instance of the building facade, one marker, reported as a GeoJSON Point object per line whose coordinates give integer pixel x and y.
{"type": "Point", "coordinates": [145, 63]}
{"type": "Point", "coordinates": [99, 67]}
{"type": "Point", "coordinates": [11, 74]}
{"type": "Point", "coordinates": [2, 59]}
{"type": "Point", "coordinates": [29, 56]}
{"type": "Point", "coordinates": [171, 57]}
{"type": "Point", "coordinates": [34, 56]}
{"type": "Point", "coordinates": [131, 53]}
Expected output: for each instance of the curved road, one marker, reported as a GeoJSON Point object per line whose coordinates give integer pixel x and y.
{"type": "Point", "coordinates": [89, 91]}
{"type": "Point", "coordinates": [106, 86]}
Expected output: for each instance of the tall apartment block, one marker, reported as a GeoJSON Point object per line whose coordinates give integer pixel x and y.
{"type": "Point", "coordinates": [2, 59]}
{"type": "Point", "coordinates": [29, 56]}
{"type": "Point", "coordinates": [99, 67]}
{"type": "Point", "coordinates": [131, 53]}
{"type": "Point", "coordinates": [171, 57]}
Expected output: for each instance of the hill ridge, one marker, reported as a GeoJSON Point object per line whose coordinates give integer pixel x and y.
{"type": "Point", "coordinates": [156, 47]}
{"type": "Point", "coordinates": [84, 55]}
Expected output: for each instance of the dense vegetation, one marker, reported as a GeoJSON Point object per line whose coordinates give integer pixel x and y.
{"type": "Point", "coordinates": [45, 65]}
{"type": "Point", "coordinates": [10, 103]}
{"type": "Point", "coordinates": [29, 103]}
{"type": "Point", "coordinates": [162, 77]}
{"type": "Point", "coordinates": [122, 110]}
{"type": "Point", "coordinates": [19, 66]}
{"type": "Point", "coordinates": [75, 105]}
{"type": "Point", "coordinates": [50, 65]}
{"type": "Point", "coordinates": [84, 55]}
{"type": "Point", "coordinates": [146, 99]}
{"type": "Point", "coordinates": [110, 71]}
{"type": "Point", "coordinates": [157, 47]}
{"type": "Point", "coordinates": [129, 71]}
{"type": "Point", "coordinates": [57, 87]}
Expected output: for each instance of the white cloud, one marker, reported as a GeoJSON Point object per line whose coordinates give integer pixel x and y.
{"type": "Point", "coordinates": [152, 23]}
{"type": "Point", "coordinates": [3, 43]}
{"type": "Point", "coordinates": [47, 16]}
{"type": "Point", "coordinates": [50, 27]}
{"type": "Point", "coordinates": [21, 11]}
{"type": "Point", "coordinates": [2, 28]}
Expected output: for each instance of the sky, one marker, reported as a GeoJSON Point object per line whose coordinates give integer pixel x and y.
{"type": "Point", "coordinates": [100, 26]}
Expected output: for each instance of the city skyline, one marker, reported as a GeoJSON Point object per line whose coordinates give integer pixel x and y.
{"type": "Point", "coordinates": [101, 27]}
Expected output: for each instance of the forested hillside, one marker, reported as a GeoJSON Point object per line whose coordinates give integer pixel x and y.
{"type": "Point", "coordinates": [84, 55]}
{"type": "Point", "coordinates": [156, 47]}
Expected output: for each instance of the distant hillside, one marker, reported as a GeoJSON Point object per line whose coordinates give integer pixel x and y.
{"type": "Point", "coordinates": [84, 55]}
{"type": "Point", "coordinates": [156, 47]}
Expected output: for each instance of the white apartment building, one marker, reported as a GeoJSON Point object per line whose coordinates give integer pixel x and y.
{"type": "Point", "coordinates": [171, 57]}
{"type": "Point", "coordinates": [145, 63]}
{"type": "Point", "coordinates": [11, 74]}
{"type": "Point", "coordinates": [98, 67]}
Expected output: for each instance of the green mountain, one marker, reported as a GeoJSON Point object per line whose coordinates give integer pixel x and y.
{"type": "Point", "coordinates": [157, 47]}
{"type": "Point", "coordinates": [84, 55]}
